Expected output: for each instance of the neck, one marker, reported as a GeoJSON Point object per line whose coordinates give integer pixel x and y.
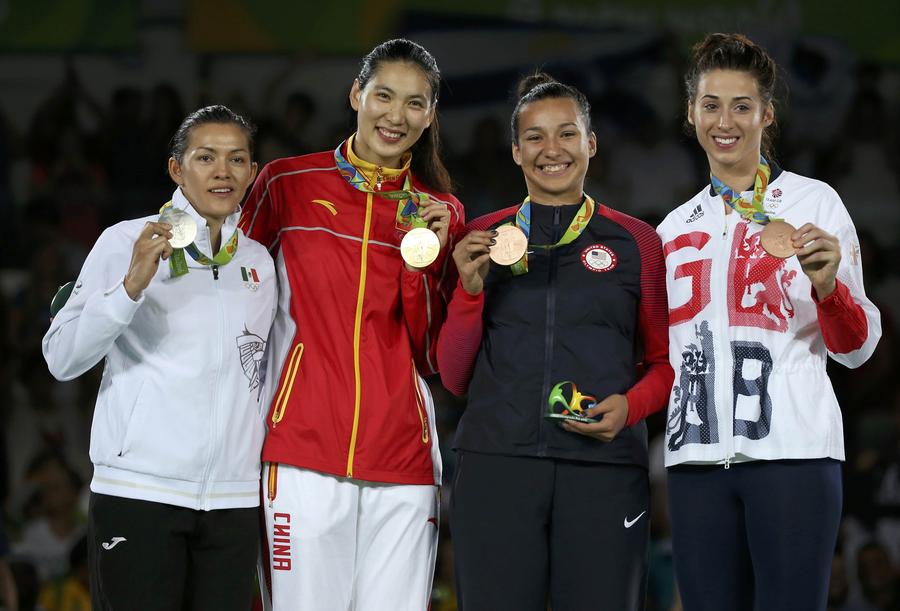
{"type": "Point", "coordinates": [215, 235]}
{"type": "Point", "coordinates": [393, 164]}
{"type": "Point", "coordinates": [739, 176]}
{"type": "Point", "coordinates": [562, 199]}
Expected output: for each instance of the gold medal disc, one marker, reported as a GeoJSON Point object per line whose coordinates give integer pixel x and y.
{"type": "Point", "coordinates": [420, 247]}
{"type": "Point", "coordinates": [184, 227]}
{"type": "Point", "coordinates": [776, 239]}
{"type": "Point", "coordinates": [510, 245]}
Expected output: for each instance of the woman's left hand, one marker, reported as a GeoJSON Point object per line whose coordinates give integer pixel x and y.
{"type": "Point", "coordinates": [819, 254]}
{"type": "Point", "coordinates": [614, 412]}
{"type": "Point", "coordinates": [437, 215]}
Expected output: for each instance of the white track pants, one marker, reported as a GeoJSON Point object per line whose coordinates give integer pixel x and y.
{"type": "Point", "coordinates": [337, 544]}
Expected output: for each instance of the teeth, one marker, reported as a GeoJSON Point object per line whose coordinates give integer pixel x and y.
{"type": "Point", "coordinates": [726, 141]}
{"type": "Point", "coordinates": [390, 134]}
{"type": "Point", "coordinates": [222, 190]}
{"type": "Point", "coordinates": [556, 167]}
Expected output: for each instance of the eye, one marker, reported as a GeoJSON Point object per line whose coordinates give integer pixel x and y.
{"type": "Point", "coordinates": [205, 157]}
{"type": "Point", "coordinates": [417, 104]}
{"type": "Point", "coordinates": [532, 138]}
{"type": "Point", "coordinates": [382, 95]}
{"type": "Point", "coordinates": [238, 159]}
{"type": "Point", "coordinates": [569, 134]}
{"type": "Point", "coordinates": [742, 108]}
{"type": "Point", "coordinates": [710, 107]}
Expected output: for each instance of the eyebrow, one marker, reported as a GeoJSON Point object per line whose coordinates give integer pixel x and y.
{"type": "Point", "coordinates": [560, 126]}
{"type": "Point", "coordinates": [214, 150]}
{"type": "Point", "coordinates": [392, 92]}
{"type": "Point", "coordinates": [739, 97]}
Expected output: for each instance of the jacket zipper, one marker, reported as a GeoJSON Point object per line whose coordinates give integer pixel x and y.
{"type": "Point", "coordinates": [549, 334]}
{"type": "Point", "coordinates": [213, 445]}
{"type": "Point", "coordinates": [357, 330]}
{"type": "Point", "coordinates": [272, 481]}
{"type": "Point", "coordinates": [726, 412]}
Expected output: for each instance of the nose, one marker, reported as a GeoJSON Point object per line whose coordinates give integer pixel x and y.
{"type": "Point", "coordinates": [393, 113]}
{"type": "Point", "coordinates": [724, 120]}
{"type": "Point", "coordinates": [221, 168]}
{"type": "Point", "coordinates": [551, 146]}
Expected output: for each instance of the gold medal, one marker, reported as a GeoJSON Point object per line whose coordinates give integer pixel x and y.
{"type": "Point", "coordinates": [420, 247]}
{"type": "Point", "coordinates": [184, 227]}
{"type": "Point", "coordinates": [510, 245]}
{"type": "Point", "coordinates": [776, 239]}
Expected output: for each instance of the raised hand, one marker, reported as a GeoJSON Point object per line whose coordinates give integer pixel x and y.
{"type": "Point", "coordinates": [472, 258]}
{"type": "Point", "coordinates": [151, 246]}
{"type": "Point", "coordinates": [819, 254]}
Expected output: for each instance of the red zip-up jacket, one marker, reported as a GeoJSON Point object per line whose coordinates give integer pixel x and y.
{"type": "Point", "coordinates": [354, 327]}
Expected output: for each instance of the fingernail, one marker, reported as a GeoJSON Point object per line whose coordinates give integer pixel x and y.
{"type": "Point", "coordinates": [494, 232]}
{"type": "Point", "coordinates": [493, 241]}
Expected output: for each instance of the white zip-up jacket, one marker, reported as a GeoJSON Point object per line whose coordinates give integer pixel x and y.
{"type": "Point", "coordinates": [178, 418]}
{"type": "Point", "coordinates": [747, 338]}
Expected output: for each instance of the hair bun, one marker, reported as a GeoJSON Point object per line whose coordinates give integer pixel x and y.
{"type": "Point", "coordinates": [532, 81]}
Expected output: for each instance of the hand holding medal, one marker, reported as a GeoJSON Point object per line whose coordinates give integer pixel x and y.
{"type": "Point", "coordinates": [422, 244]}
{"type": "Point", "coordinates": [472, 257]}
{"type": "Point", "coordinates": [819, 254]}
{"type": "Point", "coordinates": [151, 246]}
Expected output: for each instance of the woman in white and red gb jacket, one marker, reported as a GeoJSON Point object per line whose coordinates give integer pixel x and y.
{"type": "Point", "coordinates": [351, 461]}
{"type": "Point", "coordinates": [754, 437]}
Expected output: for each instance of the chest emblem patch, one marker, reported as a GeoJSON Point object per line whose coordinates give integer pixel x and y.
{"type": "Point", "coordinates": [599, 258]}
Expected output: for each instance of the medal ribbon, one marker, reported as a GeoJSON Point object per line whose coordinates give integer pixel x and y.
{"type": "Point", "coordinates": [575, 229]}
{"type": "Point", "coordinates": [752, 210]}
{"type": "Point", "coordinates": [178, 264]}
{"type": "Point", "coordinates": [408, 200]}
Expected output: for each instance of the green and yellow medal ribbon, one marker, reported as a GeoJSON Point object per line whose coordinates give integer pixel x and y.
{"type": "Point", "coordinates": [752, 210]}
{"type": "Point", "coordinates": [575, 229]}
{"type": "Point", "coordinates": [178, 264]}
{"type": "Point", "coordinates": [408, 200]}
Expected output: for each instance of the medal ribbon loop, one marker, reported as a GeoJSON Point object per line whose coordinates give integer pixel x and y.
{"type": "Point", "coordinates": [409, 201]}
{"type": "Point", "coordinates": [752, 210]}
{"type": "Point", "coordinates": [575, 229]}
{"type": "Point", "coordinates": [178, 264]}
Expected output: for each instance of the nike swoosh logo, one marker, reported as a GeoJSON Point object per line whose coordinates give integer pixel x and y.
{"type": "Point", "coordinates": [630, 523]}
{"type": "Point", "coordinates": [111, 544]}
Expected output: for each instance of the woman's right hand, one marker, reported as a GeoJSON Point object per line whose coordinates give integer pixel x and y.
{"type": "Point", "coordinates": [472, 258]}
{"type": "Point", "coordinates": [151, 245]}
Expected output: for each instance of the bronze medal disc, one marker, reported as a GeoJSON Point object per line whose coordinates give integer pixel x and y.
{"type": "Point", "coordinates": [420, 247]}
{"type": "Point", "coordinates": [184, 227]}
{"type": "Point", "coordinates": [776, 239]}
{"type": "Point", "coordinates": [510, 245]}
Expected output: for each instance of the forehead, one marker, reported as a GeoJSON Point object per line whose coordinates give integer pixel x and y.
{"type": "Point", "coordinates": [549, 112]}
{"type": "Point", "coordinates": [727, 84]}
{"type": "Point", "coordinates": [218, 135]}
{"type": "Point", "coordinates": [405, 78]}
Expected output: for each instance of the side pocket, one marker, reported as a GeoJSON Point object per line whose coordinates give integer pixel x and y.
{"type": "Point", "coordinates": [287, 383]}
{"type": "Point", "coordinates": [420, 405]}
{"type": "Point", "coordinates": [131, 424]}
{"type": "Point", "coordinates": [272, 483]}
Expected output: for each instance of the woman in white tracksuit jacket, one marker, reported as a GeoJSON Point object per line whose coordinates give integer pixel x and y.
{"type": "Point", "coordinates": [178, 426]}
{"type": "Point", "coordinates": [754, 434]}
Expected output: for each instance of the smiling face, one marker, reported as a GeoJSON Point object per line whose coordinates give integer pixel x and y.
{"type": "Point", "coordinates": [729, 117]}
{"type": "Point", "coordinates": [215, 171]}
{"type": "Point", "coordinates": [553, 147]}
{"type": "Point", "coordinates": [392, 111]}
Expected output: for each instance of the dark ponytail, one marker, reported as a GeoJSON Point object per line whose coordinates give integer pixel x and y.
{"type": "Point", "coordinates": [426, 152]}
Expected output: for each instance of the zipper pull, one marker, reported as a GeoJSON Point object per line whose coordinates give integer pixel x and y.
{"type": "Point", "coordinates": [215, 271]}
{"type": "Point", "coordinates": [379, 178]}
{"type": "Point", "coordinates": [727, 463]}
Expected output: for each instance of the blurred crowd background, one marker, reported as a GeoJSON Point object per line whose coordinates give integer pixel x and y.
{"type": "Point", "coordinates": [92, 90]}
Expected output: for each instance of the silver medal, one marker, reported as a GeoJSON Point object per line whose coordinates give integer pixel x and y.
{"type": "Point", "coordinates": [184, 227]}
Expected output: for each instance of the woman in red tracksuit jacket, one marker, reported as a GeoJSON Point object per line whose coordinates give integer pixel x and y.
{"type": "Point", "coordinates": [351, 461]}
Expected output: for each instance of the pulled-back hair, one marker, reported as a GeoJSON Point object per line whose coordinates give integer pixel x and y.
{"type": "Point", "coordinates": [735, 52]}
{"type": "Point", "coordinates": [203, 116]}
{"type": "Point", "coordinates": [542, 86]}
{"type": "Point", "coordinates": [426, 152]}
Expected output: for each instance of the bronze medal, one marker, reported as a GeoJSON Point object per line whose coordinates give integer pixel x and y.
{"type": "Point", "coordinates": [420, 247]}
{"type": "Point", "coordinates": [510, 245]}
{"type": "Point", "coordinates": [776, 239]}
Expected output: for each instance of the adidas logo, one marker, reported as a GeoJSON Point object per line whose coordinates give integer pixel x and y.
{"type": "Point", "coordinates": [696, 213]}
